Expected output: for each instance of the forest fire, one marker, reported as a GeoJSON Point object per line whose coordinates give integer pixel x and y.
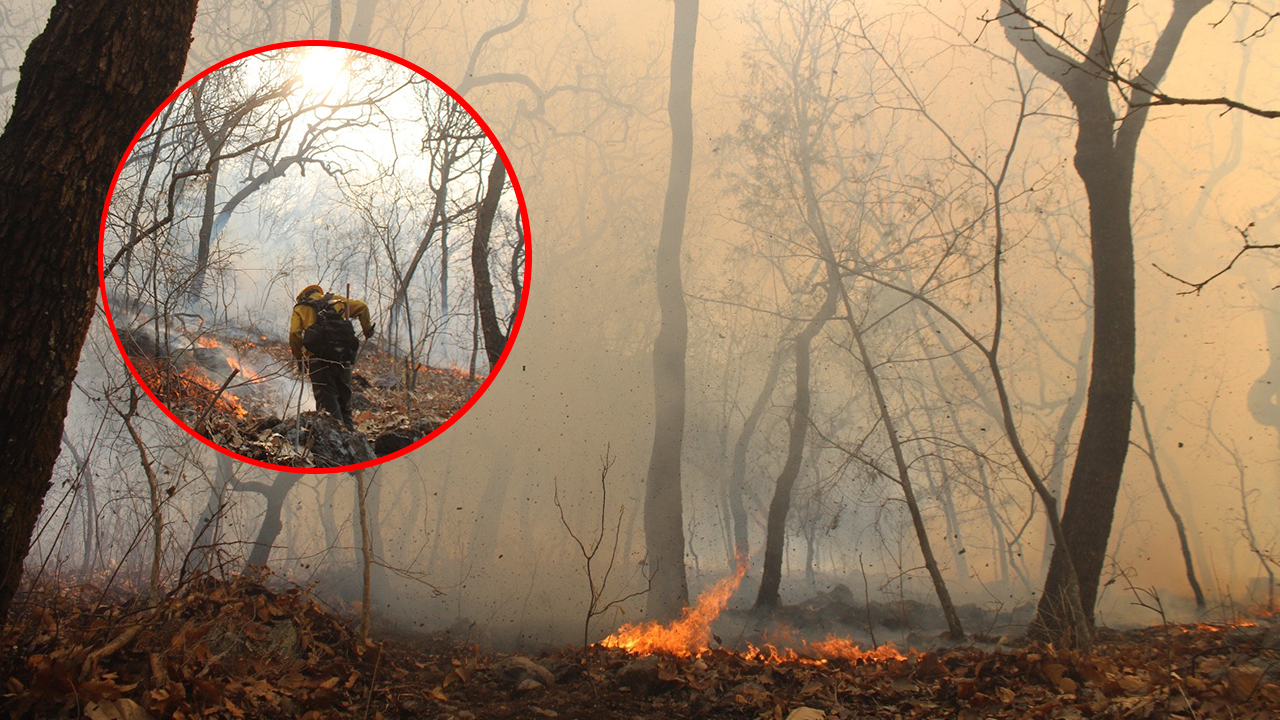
{"type": "Point", "coordinates": [196, 387]}
{"type": "Point", "coordinates": [187, 386]}
{"type": "Point", "coordinates": [691, 636]}
{"type": "Point", "coordinates": [245, 372]}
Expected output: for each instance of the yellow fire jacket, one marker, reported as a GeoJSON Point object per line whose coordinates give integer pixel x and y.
{"type": "Point", "coordinates": [304, 316]}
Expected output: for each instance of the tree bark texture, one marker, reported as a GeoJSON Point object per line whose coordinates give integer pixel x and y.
{"type": "Point", "coordinates": [776, 526]}
{"type": "Point", "coordinates": [91, 78]}
{"type": "Point", "coordinates": [663, 503]}
{"type": "Point", "coordinates": [494, 339]}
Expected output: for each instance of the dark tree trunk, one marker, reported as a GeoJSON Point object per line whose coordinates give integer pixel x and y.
{"type": "Point", "coordinates": [1104, 439]}
{"type": "Point", "coordinates": [1106, 148]}
{"type": "Point", "coordinates": [738, 473]}
{"type": "Point", "coordinates": [775, 529]}
{"type": "Point", "coordinates": [494, 338]}
{"type": "Point", "coordinates": [663, 502]}
{"type": "Point", "coordinates": [275, 494]}
{"type": "Point", "coordinates": [88, 82]}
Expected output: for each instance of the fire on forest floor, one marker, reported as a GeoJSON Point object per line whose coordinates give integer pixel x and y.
{"type": "Point", "coordinates": [245, 395]}
{"type": "Point", "coordinates": [241, 650]}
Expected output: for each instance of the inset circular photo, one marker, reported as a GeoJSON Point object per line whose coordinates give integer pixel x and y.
{"type": "Point", "coordinates": [315, 256]}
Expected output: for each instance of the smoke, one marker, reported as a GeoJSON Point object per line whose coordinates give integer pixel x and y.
{"type": "Point", "coordinates": [471, 515]}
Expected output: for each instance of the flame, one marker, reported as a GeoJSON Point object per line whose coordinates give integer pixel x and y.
{"type": "Point", "coordinates": [245, 372]}
{"type": "Point", "coordinates": [205, 389]}
{"type": "Point", "coordinates": [690, 636]}
{"type": "Point", "coordinates": [188, 385]}
{"type": "Point", "coordinates": [822, 652]}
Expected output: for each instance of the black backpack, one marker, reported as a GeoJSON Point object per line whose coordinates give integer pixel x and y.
{"type": "Point", "coordinates": [331, 336]}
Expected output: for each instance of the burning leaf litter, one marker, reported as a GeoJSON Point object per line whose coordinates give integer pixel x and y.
{"type": "Point", "coordinates": [256, 413]}
{"type": "Point", "coordinates": [691, 636]}
{"type": "Point", "coordinates": [241, 650]}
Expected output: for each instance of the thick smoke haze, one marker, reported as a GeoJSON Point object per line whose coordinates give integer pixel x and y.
{"type": "Point", "coordinates": [915, 107]}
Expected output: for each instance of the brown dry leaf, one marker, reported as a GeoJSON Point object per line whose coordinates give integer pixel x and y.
{"type": "Point", "coordinates": [122, 709]}
{"type": "Point", "coordinates": [232, 708]}
{"type": "Point", "coordinates": [812, 687]}
{"type": "Point", "coordinates": [1006, 695]}
{"type": "Point", "coordinates": [329, 684]}
{"type": "Point", "coordinates": [1242, 680]}
{"type": "Point", "coordinates": [1057, 675]}
{"type": "Point", "coordinates": [806, 713]}
{"type": "Point", "coordinates": [1132, 683]}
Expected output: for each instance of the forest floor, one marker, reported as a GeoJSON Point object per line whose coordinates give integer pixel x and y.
{"type": "Point", "coordinates": [242, 650]}
{"type": "Point", "coordinates": [252, 411]}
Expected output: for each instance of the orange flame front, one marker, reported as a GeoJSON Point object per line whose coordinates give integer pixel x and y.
{"type": "Point", "coordinates": [691, 635]}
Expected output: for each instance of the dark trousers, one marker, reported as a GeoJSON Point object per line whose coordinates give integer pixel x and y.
{"type": "Point", "coordinates": [331, 383]}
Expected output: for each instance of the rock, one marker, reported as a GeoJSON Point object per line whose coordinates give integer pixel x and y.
{"type": "Point", "coordinates": [641, 676]}
{"type": "Point", "coordinates": [360, 401]}
{"type": "Point", "coordinates": [387, 381]}
{"type": "Point", "coordinates": [282, 641]}
{"type": "Point", "coordinates": [329, 442]}
{"type": "Point", "coordinates": [393, 441]}
{"type": "Point", "coordinates": [518, 670]}
{"type": "Point", "coordinates": [402, 437]}
{"type": "Point", "coordinates": [842, 594]}
{"type": "Point", "coordinates": [528, 684]}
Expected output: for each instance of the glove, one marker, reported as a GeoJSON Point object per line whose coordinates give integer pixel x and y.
{"type": "Point", "coordinates": [369, 333]}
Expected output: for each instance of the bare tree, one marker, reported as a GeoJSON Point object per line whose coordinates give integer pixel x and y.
{"type": "Point", "coordinates": [663, 504]}
{"type": "Point", "coordinates": [1150, 451]}
{"type": "Point", "coordinates": [597, 577]}
{"type": "Point", "coordinates": [775, 532]}
{"type": "Point", "coordinates": [1106, 146]}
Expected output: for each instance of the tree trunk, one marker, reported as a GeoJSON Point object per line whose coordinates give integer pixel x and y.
{"type": "Point", "coordinates": [494, 339]}
{"type": "Point", "coordinates": [275, 494]}
{"type": "Point", "coordinates": [738, 473]}
{"type": "Point", "coordinates": [1104, 440]}
{"type": "Point", "coordinates": [663, 503]}
{"type": "Point", "coordinates": [89, 80]}
{"type": "Point", "coordinates": [767, 597]}
{"type": "Point", "coordinates": [1150, 451]}
{"type": "Point", "coordinates": [365, 554]}
{"type": "Point", "coordinates": [335, 19]}
{"type": "Point", "coordinates": [362, 21]}
{"type": "Point", "coordinates": [205, 538]}
{"type": "Point", "coordinates": [1106, 148]}
{"type": "Point", "coordinates": [904, 480]}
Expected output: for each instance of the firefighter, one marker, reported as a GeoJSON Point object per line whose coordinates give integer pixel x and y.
{"type": "Point", "coordinates": [325, 346]}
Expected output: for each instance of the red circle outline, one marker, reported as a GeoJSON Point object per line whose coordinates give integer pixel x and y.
{"type": "Point", "coordinates": [524, 219]}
